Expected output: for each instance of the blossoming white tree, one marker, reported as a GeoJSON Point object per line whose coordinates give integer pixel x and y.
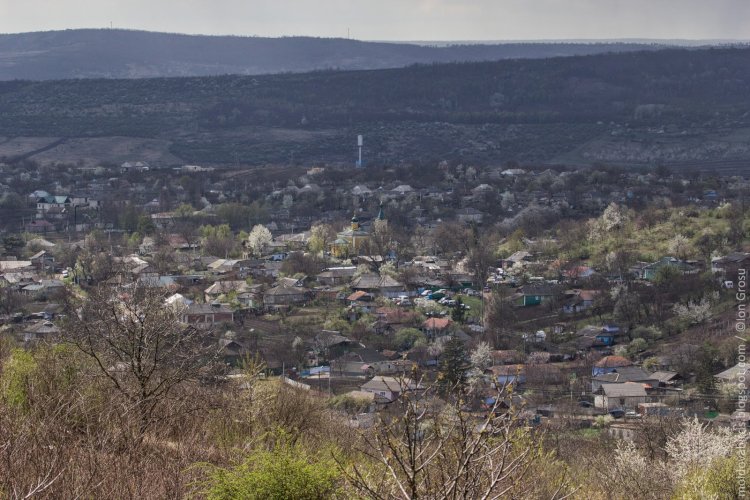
{"type": "Point", "coordinates": [697, 447]}
{"type": "Point", "coordinates": [259, 238]}
{"type": "Point", "coordinates": [481, 356]}
{"type": "Point", "coordinates": [695, 460]}
{"type": "Point", "coordinates": [694, 312]}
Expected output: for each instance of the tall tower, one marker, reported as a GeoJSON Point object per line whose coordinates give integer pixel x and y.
{"type": "Point", "coordinates": [381, 212]}
{"type": "Point", "coordinates": [360, 142]}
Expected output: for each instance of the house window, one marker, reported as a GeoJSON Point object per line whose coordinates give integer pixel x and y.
{"type": "Point", "coordinates": [622, 401]}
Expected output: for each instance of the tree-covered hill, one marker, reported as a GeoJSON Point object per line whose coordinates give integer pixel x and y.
{"type": "Point", "coordinates": [669, 106]}
{"type": "Point", "coordinates": [107, 53]}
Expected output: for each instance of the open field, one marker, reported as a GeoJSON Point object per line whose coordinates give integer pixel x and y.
{"type": "Point", "coordinates": [98, 150]}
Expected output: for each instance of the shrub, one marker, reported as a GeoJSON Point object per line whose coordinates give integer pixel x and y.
{"type": "Point", "coordinates": [603, 421]}
{"type": "Point", "coordinates": [284, 472]}
{"type": "Point", "coordinates": [720, 480]}
{"type": "Point", "coordinates": [349, 404]}
{"type": "Point", "coordinates": [406, 338]}
{"type": "Point", "coordinates": [16, 377]}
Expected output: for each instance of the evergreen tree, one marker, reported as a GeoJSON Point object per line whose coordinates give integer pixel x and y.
{"type": "Point", "coordinates": [458, 314]}
{"type": "Point", "coordinates": [454, 365]}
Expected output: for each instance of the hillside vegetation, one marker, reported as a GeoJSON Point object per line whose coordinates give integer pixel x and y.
{"type": "Point", "coordinates": [671, 106]}
{"type": "Point", "coordinates": [107, 53]}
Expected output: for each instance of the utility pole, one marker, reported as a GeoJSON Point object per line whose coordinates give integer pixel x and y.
{"type": "Point", "coordinates": [481, 307]}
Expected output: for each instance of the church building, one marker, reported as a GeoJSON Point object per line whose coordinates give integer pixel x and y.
{"type": "Point", "coordinates": [354, 239]}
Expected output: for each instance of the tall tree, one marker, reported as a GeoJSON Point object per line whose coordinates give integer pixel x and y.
{"type": "Point", "coordinates": [706, 244]}
{"type": "Point", "coordinates": [454, 365]}
{"type": "Point", "coordinates": [500, 317]}
{"type": "Point", "coordinates": [217, 240]}
{"type": "Point", "coordinates": [141, 349]}
{"type": "Point", "coordinates": [185, 224]}
{"type": "Point", "coordinates": [321, 236]}
{"type": "Point", "coordinates": [258, 239]}
{"type": "Point", "coordinates": [458, 314]}
{"type": "Point", "coordinates": [420, 452]}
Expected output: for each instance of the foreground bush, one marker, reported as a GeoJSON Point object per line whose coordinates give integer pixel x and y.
{"type": "Point", "coordinates": [284, 472]}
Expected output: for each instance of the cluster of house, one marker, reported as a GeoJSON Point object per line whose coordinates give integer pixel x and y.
{"type": "Point", "coordinates": [227, 290]}
{"type": "Point", "coordinates": [61, 212]}
{"type": "Point", "coordinates": [474, 194]}
{"type": "Point", "coordinates": [27, 281]}
{"type": "Point", "coordinates": [213, 290]}
{"type": "Point", "coordinates": [538, 290]}
{"type": "Point", "coordinates": [617, 383]}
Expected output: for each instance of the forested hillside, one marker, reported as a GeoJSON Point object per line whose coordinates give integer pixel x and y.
{"type": "Point", "coordinates": [669, 106]}
{"type": "Point", "coordinates": [106, 53]}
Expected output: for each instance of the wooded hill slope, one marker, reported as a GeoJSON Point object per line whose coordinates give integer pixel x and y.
{"type": "Point", "coordinates": [668, 106]}
{"type": "Point", "coordinates": [107, 53]}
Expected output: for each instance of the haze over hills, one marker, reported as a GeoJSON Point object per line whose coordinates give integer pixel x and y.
{"type": "Point", "coordinates": [107, 53]}
{"type": "Point", "coordinates": [686, 107]}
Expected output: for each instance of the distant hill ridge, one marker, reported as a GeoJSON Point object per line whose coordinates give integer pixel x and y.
{"type": "Point", "coordinates": [115, 53]}
{"type": "Point", "coordinates": [674, 106]}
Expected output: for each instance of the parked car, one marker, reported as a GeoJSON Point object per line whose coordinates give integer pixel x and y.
{"type": "Point", "coordinates": [585, 404]}
{"type": "Point", "coordinates": [617, 412]}
{"type": "Point", "coordinates": [632, 414]}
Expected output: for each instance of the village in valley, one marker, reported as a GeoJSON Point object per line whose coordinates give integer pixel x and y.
{"type": "Point", "coordinates": [372, 250]}
{"type": "Point", "coordinates": [601, 297]}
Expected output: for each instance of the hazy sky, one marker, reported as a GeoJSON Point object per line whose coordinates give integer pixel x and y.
{"type": "Point", "coordinates": [395, 19]}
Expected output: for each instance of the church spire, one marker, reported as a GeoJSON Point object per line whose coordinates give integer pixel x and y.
{"type": "Point", "coordinates": [355, 222]}
{"type": "Point", "coordinates": [381, 213]}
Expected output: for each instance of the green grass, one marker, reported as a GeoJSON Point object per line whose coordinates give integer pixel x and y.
{"type": "Point", "coordinates": [590, 433]}
{"type": "Point", "coordinates": [476, 306]}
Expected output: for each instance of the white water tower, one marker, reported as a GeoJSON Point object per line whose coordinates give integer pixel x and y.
{"type": "Point", "coordinates": [360, 142]}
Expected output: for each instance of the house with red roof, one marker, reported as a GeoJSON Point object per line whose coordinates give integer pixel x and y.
{"type": "Point", "coordinates": [578, 300]}
{"type": "Point", "coordinates": [609, 364]}
{"type": "Point", "coordinates": [435, 327]}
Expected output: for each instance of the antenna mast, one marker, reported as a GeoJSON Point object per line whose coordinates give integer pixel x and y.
{"type": "Point", "coordinates": [360, 142]}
